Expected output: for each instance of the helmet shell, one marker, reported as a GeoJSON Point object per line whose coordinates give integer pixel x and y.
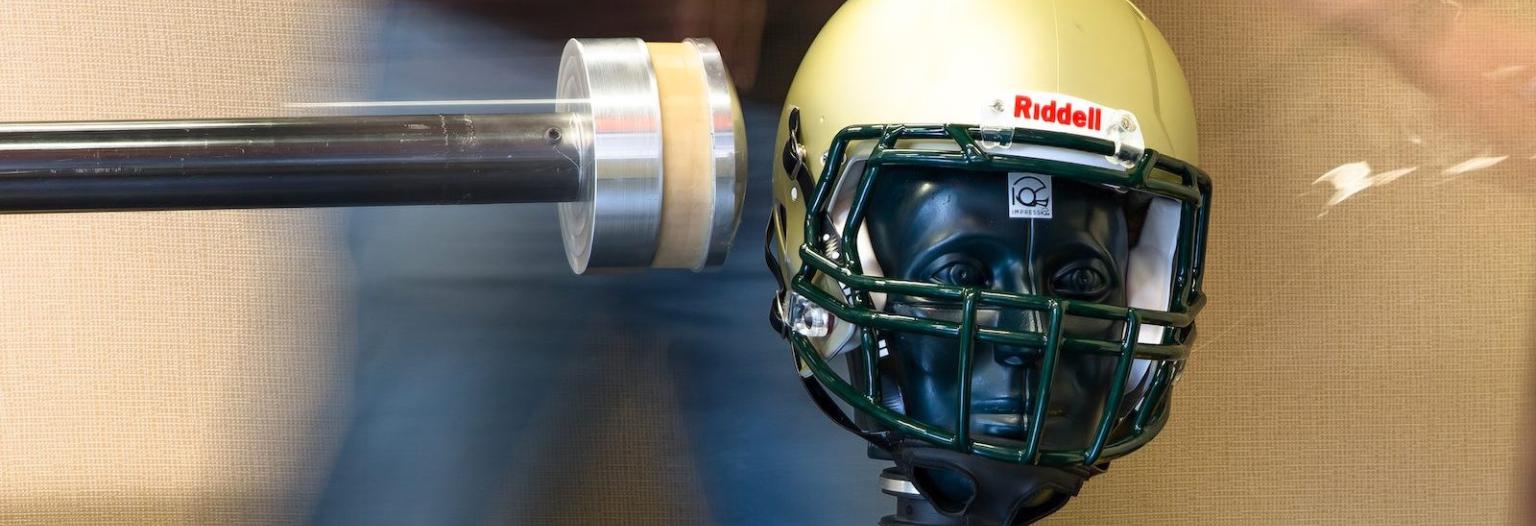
{"type": "Point", "coordinates": [925, 62]}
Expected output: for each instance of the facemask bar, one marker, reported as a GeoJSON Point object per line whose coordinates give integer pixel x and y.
{"type": "Point", "coordinates": [1192, 190]}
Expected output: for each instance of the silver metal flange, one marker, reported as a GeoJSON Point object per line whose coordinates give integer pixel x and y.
{"type": "Point", "coordinates": [729, 150]}
{"type": "Point", "coordinates": [611, 86]}
{"type": "Point", "coordinates": [615, 223]}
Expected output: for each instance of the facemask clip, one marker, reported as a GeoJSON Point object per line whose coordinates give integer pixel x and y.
{"type": "Point", "coordinates": [1125, 132]}
{"type": "Point", "coordinates": [808, 319]}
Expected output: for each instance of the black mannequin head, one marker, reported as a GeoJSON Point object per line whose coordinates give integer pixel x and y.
{"type": "Point", "coordinates": [953, 227]}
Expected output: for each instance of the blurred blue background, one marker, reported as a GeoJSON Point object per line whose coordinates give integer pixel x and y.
{"type": "Point", "coordinates": [492, 385]}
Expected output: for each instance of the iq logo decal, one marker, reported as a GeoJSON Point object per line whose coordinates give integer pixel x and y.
{"type": "Point", "coordinates": [1029, 196]}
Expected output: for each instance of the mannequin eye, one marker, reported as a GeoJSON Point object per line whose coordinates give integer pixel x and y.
{"type": "Point", "coordinates": [962, 273]}
{"type": "Point", "coordinates": [1086, 281]}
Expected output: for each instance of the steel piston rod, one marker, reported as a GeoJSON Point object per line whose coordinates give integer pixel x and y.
{"type": "Point", "coordinates": [644, 152]}
{"type": "Point", "coordinates": [288, 162]}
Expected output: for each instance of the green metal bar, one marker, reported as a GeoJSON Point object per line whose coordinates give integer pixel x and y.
{"type": "Point", "coordinates": [1192, 189]}
{"type": "Point", "coordinates": [1138, 438]}
{"type": "Point", "coordinates": [962, 136]}
{"type": "Point", "coordinates": [1120, 448]}
{"type": "Point", "coordinates": [852, 261]}
{"type": "Point", "coordinates": [808, 355]}
{"type": "Point", "coordinates": [993, 298]}
{"type": "Point", "coordinates": [870, 353]}
{"type": "Point", "coordinates": [1033, 340]}
{"type": "Point", "coordinates": [1189, 175]}
{"type": "Point", "coordinates": [1186, 253]}
{"type": "Point", "coordinates": [855, 219]}
{"type": "Point", "coordinates": [1160, 379]}
{"type": "Point", "coordinates": [817, 204]}
{"type": "Point", "coordinates": [1037, 341]}
{"type": "Point", "coordinates": [1202, 223]}
{"type": "Point", "coordinates": [1117, 389]}
{"type": "Point", "coordinates": [1063, 140]}
{"type": "Point", "coordinates": [1137, 175]}
{"type": "Point", "coordinates": [965, 373]}
{"type": "Point", "coordinates": [829, 378]}
{"type": "Point", "coordinates": [1001, 163]}
{"type": "Point", "coordinates": [1046, 372]}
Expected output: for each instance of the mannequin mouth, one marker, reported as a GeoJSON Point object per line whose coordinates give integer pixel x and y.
{"type": "Point", "coordinates": [999, 417]}
{"type": "Point", "coordinates": [1001, 426]}
{"type": "Point", "coordinates": [1006, 418]}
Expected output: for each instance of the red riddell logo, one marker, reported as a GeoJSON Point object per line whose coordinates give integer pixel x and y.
{"type": "Point", "coordinates": [1088, 117]}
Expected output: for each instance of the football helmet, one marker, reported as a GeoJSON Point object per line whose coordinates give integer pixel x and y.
{"type": "Point", "coordinates": [990, 212]}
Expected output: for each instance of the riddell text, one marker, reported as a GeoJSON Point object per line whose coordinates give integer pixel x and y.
{"type": "Point", "coordinates": [1090, 117]}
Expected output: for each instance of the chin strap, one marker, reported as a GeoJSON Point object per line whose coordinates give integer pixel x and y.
{"type": "Point", "coordinates": [1001, 493]}
{"type": "Point", "coordinates": [829, 406]}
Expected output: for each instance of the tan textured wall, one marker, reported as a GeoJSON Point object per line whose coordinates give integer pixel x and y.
{"type": "Point", "coordinates": [167, 367]}
{"type": "Point", "coordinates": [1370, 366]}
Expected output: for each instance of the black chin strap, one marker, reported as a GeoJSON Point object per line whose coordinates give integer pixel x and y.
{"type": "Point", "coordinates": [829, 406]}
{"type": "Point", "coordinates": [1003, 494]}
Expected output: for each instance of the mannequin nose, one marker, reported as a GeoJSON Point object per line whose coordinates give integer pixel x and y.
{"type": "Point", "coordinates": [1013, 319]}
{"type": "Point", "coordinates": [1018, 320]}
